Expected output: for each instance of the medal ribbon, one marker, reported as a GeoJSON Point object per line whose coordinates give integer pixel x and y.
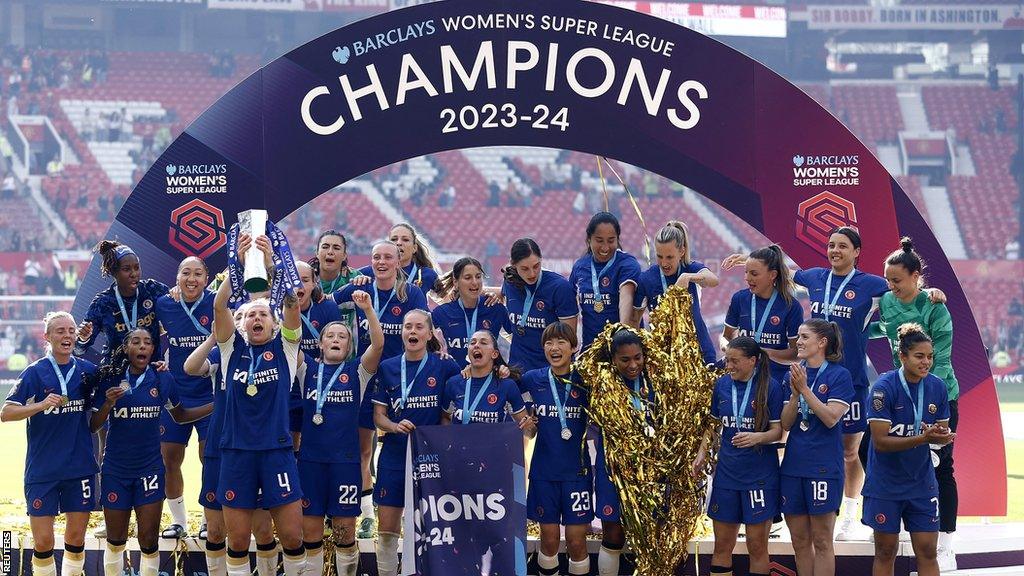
{"type": "Point", "coordinates": [412, 275]}
{"type": "Point", "coordinates": [132, 321]}
{"type": "Point", "coordinates": [321, 392]}
{"type": "Point", "coordinates": [64, 380]}
{"type": "Point", "coordinates": [558, 399]}
{"type": "Point", "coordinates": [827, 306]}
{"type": "Point", "coordinates": [528, 302]}
{"type": "Point", "coordinates": [805, 410]}
{"type": "Point", "coordinates": [138, 381]}
{"type": "Point", "coordinates": [407, 387]}
{"type": "Point", "coordinates": [254, 365]}
{"type": "Point", "coordinates": [190, 313]}
{"type": "Point", "coordinates": [637, 403]}
{"type": "Point", "coordinates": [469, 409]}
{"type": "Point", "coordinates": [376, 299]}
{"type": "Point", "coordinates": [919, 407]}
{"type": "Point", "coordinates": [308, 323]}
{"type": "Point", "coordinates": [739, 409]}
{"type": "Point", "coordinates": [595, 276]}
{"type": "Point", "coordinates": [470, 326]}
{"type": "Point", "coordinates": [767, 312]}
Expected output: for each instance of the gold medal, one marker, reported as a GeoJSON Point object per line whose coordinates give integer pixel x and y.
{"type": "Point", "coordinates": [125, 386]}
{"type": "Point", "coordinates": [251, 390]}
{"type": "Point", "coordinates": [598, 306]}
{"type": "Point", "coordinates": [521, 330]}
{"type": "Point", "coordinates": [64, 400]}
{"type": "Point", "coordinates": [804, 425]}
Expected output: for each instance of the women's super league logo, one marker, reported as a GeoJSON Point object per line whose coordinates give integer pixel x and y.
{"type": "Point", "coordinates": [817, 216]}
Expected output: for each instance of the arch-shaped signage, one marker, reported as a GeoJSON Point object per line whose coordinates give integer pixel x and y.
{"type": "Point", "coordinates": [573, 75]}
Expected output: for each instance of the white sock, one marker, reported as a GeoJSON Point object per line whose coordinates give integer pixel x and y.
{"type": "Point", "coordinates": [387, 554]}
{"type": "Point", "coordinates": [945, 539]}
{"type": "Point", "coordinates": [238, 566]}
{"type": "Point", "coordinates": [73, 563]}
{"type": "Point", "coordinates": [366, 505]}
{"type": "Point", "coordinates": [113, 560]}
{"type": "Point", "coordinates": [44, 566]}
{"type": "Point", "coordinates": [216, 562]}
{"type": "Point", "coordinates": [579, 567]}
{"type": "Point", "coordinates": [266, 562]}
{"type": "Point", "coordinates": [851, 507]}
{"type": "Point", "coordinates": [315, 559]}
{"type": "Point", "coordinates": [608, 562]}
{"type": "Point", "coordinates": [347, 559]}
{"type": "Point", "coordinates": [485, 562]}
{"type": "Point", "coordinates": [293, 565]}
{"type": "Point", "coordinates": [149, 564]}
{"type": "Point", "coordinates": [548, 565]}
{"type": "Point", "coordinates": [177, 508]}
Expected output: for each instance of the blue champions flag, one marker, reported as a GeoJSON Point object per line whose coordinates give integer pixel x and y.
{"type": "Point", "coordinates": [465, 506]}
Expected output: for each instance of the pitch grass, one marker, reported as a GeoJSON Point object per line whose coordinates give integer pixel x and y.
{"type": "Point", "coordinates": [12, 496]}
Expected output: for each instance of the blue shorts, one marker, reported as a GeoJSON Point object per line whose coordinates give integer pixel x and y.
{"type": "Point", "coordinates": [918, 514]}
{"type": "Point", "coordinates": [124, 493]}
{"type": "Point", "coordinates": [211, 477]}
{"type": "Point", "coordinates": [366, 413]}
{"type": "Point", "coordinates": [171, 431]}
{"type": "Point", "coordinates": [565, 502]}
{"type": "Point", "coordinates": [855, 421]}
{"type": "Point", "coordinates": [743, 506]}
{"type": "Point", "coordinates": [810, 496]}
{"type": "Point", "coordinates": [389, 488]}
{"type": "Point", "coordinates": [245, 474]}
{"type": "Point", "coordinates": [60, 496]}
{"type": "Point", "coordinates": [331, 488]}
{"type": "Point", "coordinates": [606, 496]}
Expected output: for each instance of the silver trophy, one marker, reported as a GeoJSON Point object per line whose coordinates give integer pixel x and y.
{"type": "Point", "coordinates": [254, 223]}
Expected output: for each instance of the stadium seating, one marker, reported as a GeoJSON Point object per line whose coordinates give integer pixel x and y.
{"type": "Point", "coordinates": [872, 112]}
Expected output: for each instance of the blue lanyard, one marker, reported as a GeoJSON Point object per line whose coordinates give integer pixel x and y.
{"type": "Point", "coordinates": [132, 322]}
{"type": "Point", "coordinates": [664, 281]}
{"type": "Point", "coordinates": [138, 381]}
{"type": "Point", "coordinates": [321, 392]}
{"type": "Point", "coordinates": [919, 407]}
{"type": "Point", "coordinates": [595, 276]}
{"type": "Point", "coordinates": [469, 409]}
{"type": "Point", "coordinates": [827, 306]}
{"type": "Point", "coordinates": [60, 377]}
{"type": "Point", "coordinates": [804, 408]}
{"type": "Point", "coordinates": [558, 399]}
{"type": "Point", "coordinates": [767, 312]}
{"type": "Point", "coordinates": [412, 275]}
{"type": "Point", "coordinates": [528, 302]}
{"type": "Point", "coordinates": [254, 365]}
{"type": "Point", "coordinates": [739, 409]}
{"type": "Point", "coordinates": [190, 313]}
{"type": "Point", "coordinates": [407, 387]}
{"type": "Point", "coordinates": [637, 403]}
{"type": "Point", "coordinates": [470, 326]}
{"type": "Point", "coordinates": [305, 320]}
{"type": "Point", "coordinates": [376, 298]}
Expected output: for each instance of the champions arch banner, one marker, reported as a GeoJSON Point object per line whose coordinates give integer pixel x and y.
{"type": "Point", "coordinates": [572, 75]}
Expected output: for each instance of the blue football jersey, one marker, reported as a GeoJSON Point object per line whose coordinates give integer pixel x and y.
{"type": "Point", "coordinates": [422, 278]}
{"type": "Point", "coordinates": [336, 437]}
{"type": "Point", "coordinates": [391, 316]}
{"type": "Point", "coordinates": [555, 458]}
{"type": "Point", "coordinates": [553, 299]}
{"type": "Point", "coordinates": [496, 403]}
{"type": "Point", "coordinates": [854, 304]}
{"type": "Point", "coordinates": [105, 315]}
{"type": "Point", "coordinates": [59, 441]}
{"type": "Point", "coordinates": [909, 473]}
{"type": "Point", "coordinates": [818, 451]}
{"type": "Point", "coordinates": [649, 293]}
{"type": "Point", "coordinates": [745, 468]}
{"type": "Point", "coordinates": [257, 421]}
{"type": "Point", "coordinates": [133, 439]}
{"type": "Point", "coordinates": [611, 277]}
{"type": "Point", "coordinates": [781, 325]}
{"type": "Point", "coordinates": [454, 321]}
{"type": "Point", "coordinates": [186, 331]}
{"type": "Point", "coordinates": [422, 406]}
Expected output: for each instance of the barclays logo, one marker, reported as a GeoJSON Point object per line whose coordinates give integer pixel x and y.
{"type": "Point", "coordinates": [798, 160]}
{"type": "Point", "coordinates": [341, 54]}
{"type": "Point", "coordinates": [171, 169]}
